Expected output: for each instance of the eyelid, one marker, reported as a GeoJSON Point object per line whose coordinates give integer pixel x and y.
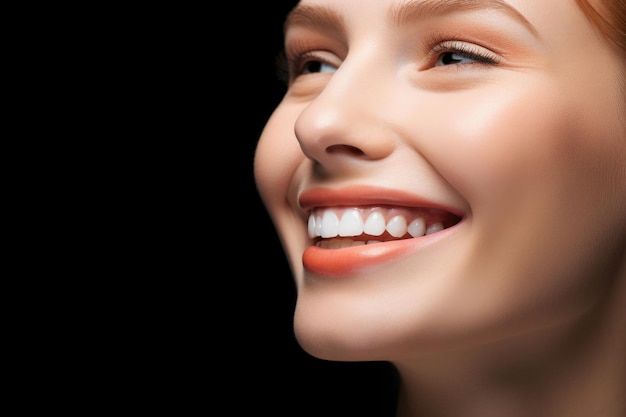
{"type": "Point", "coordinates": [297, 61]}
{"type": "Point", "coordinates": [471, 50]}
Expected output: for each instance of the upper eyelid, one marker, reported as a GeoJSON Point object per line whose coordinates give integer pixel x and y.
{"type": "Point", "coordinates": [301, 45]}
{"type": "Point", "coordinates": [467, 48]}
{"type": "Point", "coordinates": [296, 61]}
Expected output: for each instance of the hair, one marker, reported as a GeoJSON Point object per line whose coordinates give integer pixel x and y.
{"type": "Point", "coordinates": [609, 16]}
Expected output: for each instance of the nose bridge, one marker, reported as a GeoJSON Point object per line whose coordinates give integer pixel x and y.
{"type": "Point", "coordinates": [348, 115]}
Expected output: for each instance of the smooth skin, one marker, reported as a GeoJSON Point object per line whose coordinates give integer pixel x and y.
{"type": "Point", "coordinates": [509, 114]}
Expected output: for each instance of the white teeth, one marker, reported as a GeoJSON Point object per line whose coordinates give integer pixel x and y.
{"type": "Point", "coordinates": [397, 226]}
{"type": "Point", "coordinates": [433, 228]}
{"type": "Point", "coordinates": [327, 224]}
{"type": "Point", "coordinates": [375, 224]}
{"type": "Point", "coordinates": [417, 227]}
{"type": "Point", "coordinates": [330, 224]}
{"type": "Point", "coordinates": [351, 223]}
{"type": "Point", "coordinates": [318, 226]}
{"type": "Point", "coordinates": [311, 226]}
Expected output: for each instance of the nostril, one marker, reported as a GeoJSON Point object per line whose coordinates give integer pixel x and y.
{"type": "Point", "coordinates": [345, 149]}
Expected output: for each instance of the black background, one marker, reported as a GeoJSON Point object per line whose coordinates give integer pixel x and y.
{"type": "Point", "coordinates": [266, 369]}
{"type": "Point", "coordinates": [181, 300]}
{"type": "Point", "coordinates": [212, 331]}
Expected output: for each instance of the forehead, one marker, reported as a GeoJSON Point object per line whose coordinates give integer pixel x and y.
{"type": "Point", "coordinates": [327, 14]}
{"type": "Point", "coordinates": [553, 18]}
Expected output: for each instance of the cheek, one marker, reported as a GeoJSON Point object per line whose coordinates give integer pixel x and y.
{"type": "Point", "coordinates": [505, 144]}
{"type": "Point", "coordinates": [277, 159]}
{"type": "Point", "coordinates": [535, 147]}
{"type": "Point", "coordinates": [544, 177]}
{"type": "Point", "coordinates": [277, 156]}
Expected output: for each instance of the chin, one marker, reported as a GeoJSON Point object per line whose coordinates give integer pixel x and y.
{"type": "Point", "coordinates": [326, 344]}
{"type": "Point", "coordinates": [357, 333]}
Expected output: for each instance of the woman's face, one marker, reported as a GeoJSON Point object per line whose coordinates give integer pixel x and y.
{"type": "Point", "coordinates": [473, 155]}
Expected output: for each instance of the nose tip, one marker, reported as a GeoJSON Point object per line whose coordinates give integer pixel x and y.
{"type": "Point", "coordinates": [348, 129]}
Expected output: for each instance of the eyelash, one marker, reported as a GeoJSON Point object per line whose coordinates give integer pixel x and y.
{"type": "Point", "coordinates": [465, 50]}
{"type": "Point", "coordinates": [290, 65]}
{"type": "Point", "coordinates": [287, 68]}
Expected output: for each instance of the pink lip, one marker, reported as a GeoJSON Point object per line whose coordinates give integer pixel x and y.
{"type": "Point", "coordinates": [341, 262]}
{"type": "Point", "coordinates": [364, 196]}
{"type": "Point", "coordinates": [338, 262]}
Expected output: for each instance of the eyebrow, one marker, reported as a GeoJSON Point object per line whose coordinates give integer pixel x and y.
{"type": "Point", "coordinates": [413, 10]}
{"type": "Point", "coordinates": [321, 17]}
{"type": "Point", "coordinates": [318, 17]}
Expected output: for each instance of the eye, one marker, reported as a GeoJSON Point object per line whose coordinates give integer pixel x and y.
{"type": "Point", "coordinates": [461, 53]}
{"type": "Point", "coordinates": [312, 62]}
{"type": "Point", "coordinates": [291, 66]}
{"type": "Point", "coordinates": [314, 66]}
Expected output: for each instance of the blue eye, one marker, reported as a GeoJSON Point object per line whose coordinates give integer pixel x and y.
{"type": "Point", "coordinates": [317, 66]}
{"type": "Point", "coordinates": [311, 62]}
{"type": "Point", "coordinates": [460, 53]}
{"type": "Point", "coordinates": [450, 58]}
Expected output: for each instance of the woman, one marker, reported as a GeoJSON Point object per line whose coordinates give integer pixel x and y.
{"type": "Point", "coordinates": [448, 181]}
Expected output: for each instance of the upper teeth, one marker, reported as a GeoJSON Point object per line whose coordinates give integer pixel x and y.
{"type": "Point", "coordinates": [354, 222]}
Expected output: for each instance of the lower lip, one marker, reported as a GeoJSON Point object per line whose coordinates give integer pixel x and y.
{"type": "Point", "coordinates": [346, 261]}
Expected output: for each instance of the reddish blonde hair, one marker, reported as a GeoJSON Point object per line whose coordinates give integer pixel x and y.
{"type": "Point", "coordinates": [610, 18]}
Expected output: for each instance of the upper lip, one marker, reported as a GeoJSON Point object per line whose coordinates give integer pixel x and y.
{"type": "Point", "coordinates": [365, 195]}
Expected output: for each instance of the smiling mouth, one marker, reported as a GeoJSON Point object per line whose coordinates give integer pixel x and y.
{"type": "Point", "coordinates": [336, 228]}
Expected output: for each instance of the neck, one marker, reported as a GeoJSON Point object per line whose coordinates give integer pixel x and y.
{"type": "Point", "coordinates": [570, 370]}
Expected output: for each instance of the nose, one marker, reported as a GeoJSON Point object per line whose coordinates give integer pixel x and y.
{"type": "Point", "coordinates": [348, 120]}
